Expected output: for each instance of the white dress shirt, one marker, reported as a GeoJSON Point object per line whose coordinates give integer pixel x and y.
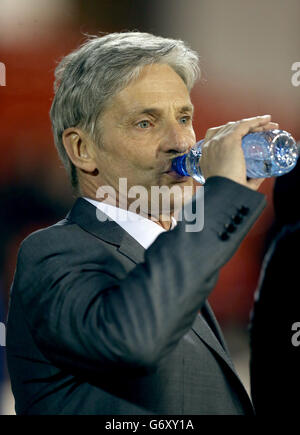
{"type": "Point", "coordinates": [143, 230]}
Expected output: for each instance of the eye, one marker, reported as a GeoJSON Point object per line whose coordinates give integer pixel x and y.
{"type": "Point", "coordinates": [185, 119]}
{"type": "Point", "coordinates": [144, 124]}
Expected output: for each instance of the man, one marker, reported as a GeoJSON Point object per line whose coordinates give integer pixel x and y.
{"type": "Point", "coordinates": [103, 318]}
{"type": "Point", "coordinates": [275, 320]}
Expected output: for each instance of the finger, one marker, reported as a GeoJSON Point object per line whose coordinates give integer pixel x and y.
{"type": "Point", "coordinates": [215, 130]}
{"type": "Point", "coordinates": [261, 119]}
{"type": "Point", "coordinates": [266, 127]}
{"type": "Point", "coordinates": [245, 125]}
{"type": "Point", "coordinates": [212, 131]}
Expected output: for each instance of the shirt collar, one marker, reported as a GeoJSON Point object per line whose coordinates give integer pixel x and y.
{"type": "Point", "coordinates": [143, 230]}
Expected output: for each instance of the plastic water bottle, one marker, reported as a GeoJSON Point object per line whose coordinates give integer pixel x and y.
{"type": "Point", "coordinates": [267, 154]}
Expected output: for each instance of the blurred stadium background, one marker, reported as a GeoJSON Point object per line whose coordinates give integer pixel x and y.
{"type": "Point", "coordinates": [247, 50]}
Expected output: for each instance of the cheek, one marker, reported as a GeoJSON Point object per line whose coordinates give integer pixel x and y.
{"type": "Point", "coordinates": [140, 155]}
{"type": "Point", "coordinates": [129, 148]}
{"type": "Point", "coordinates": [130, 161]}
{"type": "Point", "coordinates": [134, 154]}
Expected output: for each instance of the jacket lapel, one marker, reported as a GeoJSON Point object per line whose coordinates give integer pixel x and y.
{"type": "Point", "coordinates": [213, 323]}
{"type": "Point", "coordinates": [132, 249]}
{"type": "Point", "coordinates": [94, 221]}
{"type": "Point", "coordinates": [205, 333]}
{"type": "Point", "coordinates": [201, 328]}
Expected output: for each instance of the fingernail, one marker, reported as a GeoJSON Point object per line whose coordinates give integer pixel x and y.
{"type": "Point", "coordinates": [266, 116]}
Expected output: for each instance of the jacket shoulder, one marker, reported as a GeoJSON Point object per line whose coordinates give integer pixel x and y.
{"type": "Point", "coordinates": [57, 246]}
{"type": "Point", "coordinates": [62, 232]}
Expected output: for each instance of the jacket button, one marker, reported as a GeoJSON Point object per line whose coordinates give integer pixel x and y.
{"type": "Point", "coordinates": [244, 210]}
{"type": "Point", "coordinates": [224, 235]}
{"type": "Point", "coordinates": [230, 227]}
{"type": "Point", "coordinates": [237, 219]}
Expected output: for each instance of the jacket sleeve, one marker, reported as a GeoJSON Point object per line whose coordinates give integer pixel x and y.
{"type": "Point", "coordinates": [81, 316]}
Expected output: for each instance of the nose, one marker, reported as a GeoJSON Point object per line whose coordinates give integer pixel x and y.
{"type": "Point", "coordinates": [176, 141]}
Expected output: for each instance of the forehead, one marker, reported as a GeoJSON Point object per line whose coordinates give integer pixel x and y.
{"type": "Point", "coordinates": [156, 84]}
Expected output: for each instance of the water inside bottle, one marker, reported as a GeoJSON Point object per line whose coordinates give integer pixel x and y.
{"type": "Point", "coordinates": [271, 154]}
{"type": "Point", "coordinates": [193, 163]}
{"type": "Point", "coordinates": [283, 159]}
{"type": "Point", "coordinates": [257, 168]}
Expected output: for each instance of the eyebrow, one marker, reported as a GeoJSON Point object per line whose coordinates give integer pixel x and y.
{"type": "Point", "coordinates": [157, 111]}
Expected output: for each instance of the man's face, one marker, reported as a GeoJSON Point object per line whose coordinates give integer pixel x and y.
{"type": "Point", "coordinates": [145, 126]}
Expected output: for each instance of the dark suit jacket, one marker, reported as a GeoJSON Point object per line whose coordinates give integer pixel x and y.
{"type": "Point", "coordinates": [98, 325]}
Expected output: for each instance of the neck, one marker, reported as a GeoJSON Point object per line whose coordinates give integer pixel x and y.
{"type": "Point", "coordinates": [163, 221]}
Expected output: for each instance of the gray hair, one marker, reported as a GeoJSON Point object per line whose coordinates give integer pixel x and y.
{"type": "Point", "coordinates": [88, 77]}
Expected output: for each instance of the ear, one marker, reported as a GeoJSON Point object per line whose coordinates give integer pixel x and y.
{"type": "Point", "coordinates": [79, 148]}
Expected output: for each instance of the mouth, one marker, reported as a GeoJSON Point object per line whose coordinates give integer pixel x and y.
{"type": "Point", "coordinates": [176, 177]}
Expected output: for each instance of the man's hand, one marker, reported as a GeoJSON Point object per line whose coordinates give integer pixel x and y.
{"type": "Point", "coordinates": [222, 152]}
